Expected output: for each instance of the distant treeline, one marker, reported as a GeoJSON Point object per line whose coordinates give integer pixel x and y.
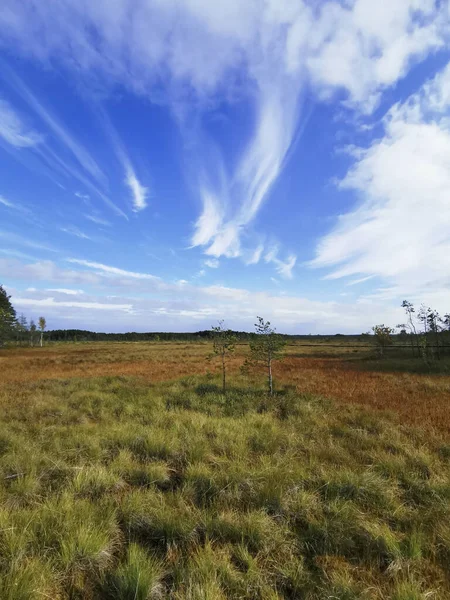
{"type": "Point", "coordinates": [81, 335]}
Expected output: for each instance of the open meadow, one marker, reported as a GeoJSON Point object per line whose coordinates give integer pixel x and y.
{"type": "Point", "coordinates": [126, 473]}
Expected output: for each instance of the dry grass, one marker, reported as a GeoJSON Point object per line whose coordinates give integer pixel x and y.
{"type": "Point", "coordinates": [421, 400]}
{"type": "Point", "coordinates": [418, 399]}
{"type": "Point", "coordinates": [119, 480]}
{"type": "Point", "coordinates": [155, 362]}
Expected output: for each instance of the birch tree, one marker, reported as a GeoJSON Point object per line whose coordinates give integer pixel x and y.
{"type": "Point", "coordinates": [224, 342]}
{"type": "Point", "coordinates": [383, 337]}
{"type": "Point", "coordinates": [266, 346]}
{"type": "Point", "coordinates": [42, 326]}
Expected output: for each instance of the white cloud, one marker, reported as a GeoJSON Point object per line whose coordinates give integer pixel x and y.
{"type": "Point", "coordinates": [13, 205]}
{"type": "Point", "coordinates": [13, 129]}
{"type": "Point", "coordinates": [111, 270]}
{"type": "Point", "coordinates": [14, 238]}
{"type": "Point", "coordinates": [6, 202]}
{"type": "Point", "coordinates": [66, 291]}
{"type": "Point", "coordinates": [192, 52]}
{"type": "Point", "coordinates": [82, 196]}
{"type": "Point", "coordinates": [98, 220]}
{"type": "Point", "coordinates": [45, 270]}
{"type": "Point", "coordinates": [72, 230]}
{"type": "Point", "coordinates": [254, 256]}
{"type": "Point", "coordinates": [365, 46]}
{"type": "Point", "coordinates": [400, 231]}
{"type": "Point", "coordinates": [138, 191]}
{"type": "Point", "coordinates": [212, 263]}
{"type": "Point", "coordinates": [265, 51]}
{"type": "Point", "coordinates": [283, 267]}
{"type": "Point", "coordinates": [16, 253]}
{"type": "Point", "coordinates": [210, 221]}
{"type": "Point", "coordinates": [51, 303]}
{"type": "Point", "coordinates": [125, 302]}
{"type": "Point", "coordinates": [80, 153]}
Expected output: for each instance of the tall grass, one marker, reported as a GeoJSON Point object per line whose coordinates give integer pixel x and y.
{"type": "Point", "coordinates": [113, 487]}
{"type": "Point", "coordinates": [405, 386]}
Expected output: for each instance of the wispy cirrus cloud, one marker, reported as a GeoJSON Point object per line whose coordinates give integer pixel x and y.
{"type": "Point", "coordinates": [111, 270]}
{"type": "Point", "coordinates": [66, 291]}
{"type": "Point", "coordinates": [82, 165]}
{"type": "Point", "coordinates": [14, 238]}
{"type": "Point", "coordinates": [79, 152]}
{"type": "Point", "coordinates": [98, 220]}
{"type": "Point", "coordinates": [82, 196]}
{"type": "Point", "coordinates": [139, 193]}
{"type": "Point", "coordinates": [283, 267]}
{"type": "Point", "coordinates": [75, 231]}
{"type": "Point", "coordinates": [13, 205]}
{"type": "Point", "coordinates": [13, 129]}
{"type": "Point", "coordinates": [264, 53]}
{"type": "Point", "coordinates": [49, 303]}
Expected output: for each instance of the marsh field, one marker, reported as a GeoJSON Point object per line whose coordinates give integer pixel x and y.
{"type": "Point", "coordinates": [126, 473]}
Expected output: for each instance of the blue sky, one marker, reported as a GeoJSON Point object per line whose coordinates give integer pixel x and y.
{"type": "Point", "coordinates": [167, 164]}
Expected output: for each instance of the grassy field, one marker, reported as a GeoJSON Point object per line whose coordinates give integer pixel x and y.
{"type": "Point", "coordinates": [126, 474]}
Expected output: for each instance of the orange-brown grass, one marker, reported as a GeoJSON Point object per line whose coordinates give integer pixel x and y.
{"type": "Point", "coordinates": [119, 487]}
{"type": "Point", "coordinates": [418, 399]}
{"type": "Point", "coordinates": [155, 362]}
{"type": "Point", "coordinates": [422, 400]}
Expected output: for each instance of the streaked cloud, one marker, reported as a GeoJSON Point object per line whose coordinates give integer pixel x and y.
{"type": "Point", "coordinates": [98, 220]}
{"type": "Point", "coordinates": [82, 166]}
{"type": "Point", "coordinates": [138, 191]}
{"type": "Point", "coordinates": [283, 267]}
{"type": "Point", "coordinates": [82, 196]}
{"type": "Point", "coordinates": [111, 270]}
{"type": "Point", "coordinates": [14, 238]}
{"type": "Point", "coordinates": [69, 141]}
{"type": "Point", "coordinates": [51, 303]}
{"type": "Point", "coordinates": [267, 52]}
{"type": "Point", "coordinates": [66, 291]}
{"type": "Point", "coordinates": [14, 205]}
{"type": "Point", "coordinates": [72, 230]}
{"type": "Point", "coordinates": [267, 60]}
{"type": "Point", "coordinates": [13, 129]}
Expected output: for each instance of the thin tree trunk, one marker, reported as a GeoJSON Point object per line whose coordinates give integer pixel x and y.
{"type": "Point", "coordinates": [42, 336]}
{"type": "Point", "coordinates": [436, 338]}
{"type": "Point", "coordinates": [269, 365]}
{"type": "Point", "coordinates": [223, 373]}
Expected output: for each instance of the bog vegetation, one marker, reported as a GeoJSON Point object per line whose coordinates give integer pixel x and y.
{"type": "Point", "coordinates": [152, 470]}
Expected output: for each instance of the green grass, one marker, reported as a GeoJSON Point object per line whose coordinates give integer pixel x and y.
{"type": "Point", "coordinates": [111, 488]}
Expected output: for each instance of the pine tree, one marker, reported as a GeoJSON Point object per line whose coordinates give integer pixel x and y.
{"type": "Point", "coordinates": [7, 316]}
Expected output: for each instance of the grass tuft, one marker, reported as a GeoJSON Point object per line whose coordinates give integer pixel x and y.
{"type": "Point", "coordinates": [117, 484]}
